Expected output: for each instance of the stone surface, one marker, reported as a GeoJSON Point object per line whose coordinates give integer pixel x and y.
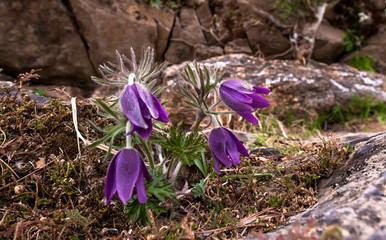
{"type": "Point", "coordinates": [5, 77]}
{"type": "Point", "coordinates": [202, 51]}
{"type": "Point", "coordinates": [353, 198]}
{"type": "Point", "coordinates": [186, 35]}
{"type": "Point", "coordinates": [243, 18]}
{"type": "Point", "coordinates": [31, 95]}
{"type": "Point", "coordinates": [328, 44]}
{"type": "Point", "coordinates": [239, 45]}
{"type": "Point", "coordinates": [114, 25]}
{"type": "Point", "coordinates": [205, 17]}
{"type": "Point", "coordinates": [314, 88]}
{"type": "Point", "coordinates": [266, 152]}
{"type": "Point", "coordinates": [265, 40]}
{"type": "Point", "coordinates": [43, 36]}
{"type": "Point", "coordinates": [165, 21]}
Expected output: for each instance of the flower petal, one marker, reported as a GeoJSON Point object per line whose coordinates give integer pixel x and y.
{"type": "Point", "coordinates": [127, 171]}
{"type": "Point", "coordinates": [259, 102]}
{"type": "Point", "coordinates": [240, 146]}
{"type": "Point", "coordinates": [243, 98]}
{"type": "Point", "coordinates": [233, 94]}
{"type": "Point", "coordinates": [110, 184]}
{"type": "Point", "coordinates": [261, 90]}
{"type": "Point", "coordinates": [162, 115]}
{"type": "Point", "coordinates": [232, 148]}
{"type": "Point", "coordinates": [249, 117]}
{"type": "Point", "coordinates": [131, 107]}
{"type": "Point", "coordinates": [217, 143]}
{"type": "Point", "coordinates": [216, 164]}
{"type": "Point", "coordinates": [140, 187]}
{"type": "Point", "coordinates": [146, 172]}
{"type": "Point", "coordinates": [237, 102]}
{"type": "Point", "coordinates": [144, 110]}
{"type": "Point", "coordinates": [238, 85]}
{"type": "Point", "coordinates": [144, 132]}
{"type": "Point", "coordinates": [147, 99]}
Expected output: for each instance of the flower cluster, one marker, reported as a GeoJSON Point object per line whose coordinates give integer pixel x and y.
{"type": "Point", "coordinates": [243, 98]}
{"type": "Point", "coordinates": [127, 168]}
{"type": "Point", "coordinates": [138, 107]}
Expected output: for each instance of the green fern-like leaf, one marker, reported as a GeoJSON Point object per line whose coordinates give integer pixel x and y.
{"type": "Point", "coordinates": [199, 188]}
{"type": "Point", "coordinates": [157, 191]}
{"type": "Point", "coordinates": [181, 145]}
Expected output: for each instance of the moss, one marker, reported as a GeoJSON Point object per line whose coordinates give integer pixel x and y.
{"type": "Point", "coordinates": [364, 63]}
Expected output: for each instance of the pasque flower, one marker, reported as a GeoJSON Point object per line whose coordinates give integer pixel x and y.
{"type": "Point", "coordinates": [243, 98]}
{"type": "Point", "coordinates": [140, 106]}
{"type": "Point", "coordinates": [225, 148]}
{"type": "Point", "coordinates": [126, 171]}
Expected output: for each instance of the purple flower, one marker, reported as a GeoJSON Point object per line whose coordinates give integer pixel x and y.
{"type": "Point", "coordinates": [225, 148]}
{"type": "Point", "coordinates": [243, 98]}
{"type": "Point", "coordinates": [140, 106]}
{"type": "Point", "coordinates": [126, 170]}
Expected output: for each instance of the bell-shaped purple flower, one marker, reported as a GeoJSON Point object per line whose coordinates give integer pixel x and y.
{"type": "Point", "coordinates": [140, 106]}
{"type": "Point", "coordinates": [126, 171]}
{"type": "Point", "coordinates": [243, 98]}
{"type": "Point", "coordinates": [225, 147]}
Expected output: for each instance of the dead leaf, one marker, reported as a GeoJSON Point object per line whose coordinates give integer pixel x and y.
{"type": "Point", "coordinates": [41, 163]}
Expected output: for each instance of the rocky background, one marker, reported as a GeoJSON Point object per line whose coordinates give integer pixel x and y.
{"type": "Point", "coordinates": [69, 39]}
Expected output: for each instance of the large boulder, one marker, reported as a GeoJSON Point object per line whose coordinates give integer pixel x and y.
{"type": "Point", "coordinates": [264, 39]}
{"type": "Point", "coordinates": [328, 44]}
{"type": "Point", "coordinates": [42, 35]}
{"type": "Point", "coordinates": [205, 17]}
{"type": "Point", "coordinates": [239, 45]}
{"type": "Point", "coordinates": [119, 25]}
{"type": "Point", "coordinates": [353, 200]}
{"type": "Point", "coordinates": [246, 19]}
{"type": "Point", "coordinates": [310, 89]}
{"type": "Point", "coordinates": [186, 36]}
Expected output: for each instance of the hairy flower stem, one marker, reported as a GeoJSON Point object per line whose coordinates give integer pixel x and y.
{"type": "Point", "coordinates": [195, 129]}
{"type": "Point", "coordinates": [170, 167]}
{"type": "Point", "coordinates": [128, 137]}
{"type": "Point", "coordinates": [200, 117]}
{"type": "Point", "coordinates": [176, 171]}
{"type": "Point", "coordinates": [215, 121]}
{"type": "Point", "coordinates": [147, 150]}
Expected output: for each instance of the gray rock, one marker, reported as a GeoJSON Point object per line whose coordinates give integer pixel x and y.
{"type": "Point", "coordinates": [315, 87]}
{"type": "Point", "coordinates": [328, 44]}
{"type": "Point", "coordinates": [266, 152]}
{"type": "Point", "coordinates": [186, 35]}
{"type": "Point", "coordinates": [202, 52]}
{"type": "Point", "coordinates": [265, 40]}
{"type": "Point", "coordinates": [165, 21]}
{"type": "Point", "coordinates": [5, 77]}
{"type": "Point", "coordinates": [205, 17]}
{"type": "Point", "coordinates": [354, 197]}
{"type": "Point", "coordinates": [239, 45]}
{"type": "Point", "coordinates": [41, 34]}
{"type": "Point", "coordinates": [38, 99]}
{"type": "Point", "coordinates": [114, 25]}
